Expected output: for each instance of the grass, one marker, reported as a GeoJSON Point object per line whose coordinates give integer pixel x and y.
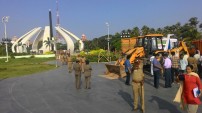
{"type": "Point", "coordinates": [23, 66]}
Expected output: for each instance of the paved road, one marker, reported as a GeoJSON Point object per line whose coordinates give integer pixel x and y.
{"type": "Point", "coordinates": [54, 92]}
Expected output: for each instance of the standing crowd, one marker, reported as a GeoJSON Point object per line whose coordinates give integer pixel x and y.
{"type": "Point", "coordinates": [183, 69]}
{"type": "Point", "coordinates": [170, 66]}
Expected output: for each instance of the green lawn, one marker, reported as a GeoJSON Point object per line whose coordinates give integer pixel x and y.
{"type": "Point", "coordinates": [23, 66]}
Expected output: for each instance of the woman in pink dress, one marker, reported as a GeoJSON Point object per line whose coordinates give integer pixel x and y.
{"type": "Point", "coordinates": [191, 81]}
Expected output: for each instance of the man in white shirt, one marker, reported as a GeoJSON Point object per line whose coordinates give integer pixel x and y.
{"type": "Point", "coordinates": [186, 57]}
{"type": "Point", "coordinates": [167, 70]}
{"type": "Point", "coordinates": [151, 60]}
{"type": "Point", "coordinates": [197, 56]}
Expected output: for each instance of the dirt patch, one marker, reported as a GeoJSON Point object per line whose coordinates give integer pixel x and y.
{"type": "Point", "coordinates": [110, 76]}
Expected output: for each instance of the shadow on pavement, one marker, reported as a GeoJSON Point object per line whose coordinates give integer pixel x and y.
{"type": "Point", "coordinates": [151, 82]}
{"type": "Point", "coordinates": [127, 97]}
{"type": "Point", "coordinates": [121, 79]}
{"type": "Point", "coordinates": [163, 104]}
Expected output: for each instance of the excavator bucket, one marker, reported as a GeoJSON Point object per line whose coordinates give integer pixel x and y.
{"type": "Point", "coordinates": [116, 69]}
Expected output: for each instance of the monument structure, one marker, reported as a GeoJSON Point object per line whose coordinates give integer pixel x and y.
{"type": "Point", "coordinates": [42, 35]}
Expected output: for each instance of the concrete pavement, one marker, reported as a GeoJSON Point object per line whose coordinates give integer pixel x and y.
{"type": "Point", "coordinates": [54, 92]}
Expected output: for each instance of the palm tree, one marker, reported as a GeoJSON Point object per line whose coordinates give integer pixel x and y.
{"type": "Point", "coordinates": [152, 30]}
{"type": "Point", "coordinates": [48, 43]}
{"type": "Point", "coordinates": [145, 30]}
{"type": "Point", "coordinates": [193, 22]}
{"type": "Point", "coordinates": [159, 30]}
{"type": "Point", "coordinates": [177, 31]}
{"type": "Point", "coordinates": [136, 31]}
{"type": "Point", "coordinates": [188, 32]}
{"type": "Point", "coordinates": [76, 45]}
{"type": "Point", "coordinates": [117, 35]}
{"type": "Point", "coordinates": [123, 31]}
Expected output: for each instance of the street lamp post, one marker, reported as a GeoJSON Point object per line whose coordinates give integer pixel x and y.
{"type": "Point", "coordinates": [108, 39]}
{"type": "Point", "coordinates": [108, 35]}
{"type": "Point", "coordinates": [6, 40]}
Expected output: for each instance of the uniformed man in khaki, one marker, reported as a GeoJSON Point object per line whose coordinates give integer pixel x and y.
{"type": "Point", "coordinates": [69, 63]}
{"type": "Point", "coordinates": [78, 58]}
{"type": "Point", "coordinates": [138, 84]}
{"type": "Point", "coordinates": [83, 62]}
{"type": "Point", "coordinates": [192, 61]}
{"type": "Point", "coordinates": [87, 74]}
{"type": "Point", "coordinates": [62, 58]}
{"type": "Point", "coordinates": [77, 69]}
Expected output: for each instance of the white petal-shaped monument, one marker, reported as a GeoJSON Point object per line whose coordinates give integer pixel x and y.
{"type": "Point", "coordinates": [19, 45]}
{"type": "Point", "coordinates": [41, 36]}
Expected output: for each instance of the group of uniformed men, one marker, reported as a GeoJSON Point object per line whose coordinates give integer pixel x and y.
{"type": "Point", "coordinates": [80, 66]}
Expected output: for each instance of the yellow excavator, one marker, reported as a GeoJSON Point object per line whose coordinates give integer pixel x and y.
{"type": "Point", "coordinates": [144, 47]}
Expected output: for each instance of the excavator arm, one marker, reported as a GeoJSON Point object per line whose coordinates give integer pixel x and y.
{"type": "Point", "coordinates": [138, 52]}
{"type": "Point", "coordinates": [118, 68]}
{"type": "Point", "coordinates": [180, 48]}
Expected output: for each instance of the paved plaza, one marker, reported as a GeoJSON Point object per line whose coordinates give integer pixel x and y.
{"type": "Point", "coordinates": [54, 92]}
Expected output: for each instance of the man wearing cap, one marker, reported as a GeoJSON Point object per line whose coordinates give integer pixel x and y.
{"type": "Point", "coordinates": [69, 63]}
{"type": "Point", "coordinates": [77, 69]}
{"type": "Point", "coordinates": [138, 84]}
{"type": "Point", "coordinates": [87, 74]}
{"type": "Point", "coordinates": [83, 60]}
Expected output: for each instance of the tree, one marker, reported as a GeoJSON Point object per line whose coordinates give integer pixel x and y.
{"type": "Point", "coordinates": [152, 30]}
{"type": "Point", "coordinates": [193, 22]}
{"type": "Point", "coordinates": [145, 30]}
{"type": "Point", "coordinates": [116, 42]}
{"type": "Point", "coordinates": [136, 31]}
{"type": "Point", "coordinates": [177, 30]}
{"type": "Point", "coordinates": [76, 45]}
{"type": "Point", "coordinates": [48, 43]}
{"type": "Point", "coordinates": [61, 46]}
{"type": "Point", "coordinates": [129, 32]}
{"type": "Point", "coordinates": [159, 31]}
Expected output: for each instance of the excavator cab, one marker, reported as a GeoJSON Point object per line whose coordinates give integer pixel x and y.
{"type": "Point", "coordinates": [152, 43]}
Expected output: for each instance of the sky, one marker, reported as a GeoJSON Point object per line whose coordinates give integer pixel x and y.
{"type": "Point", "coordinates": [89, 17]}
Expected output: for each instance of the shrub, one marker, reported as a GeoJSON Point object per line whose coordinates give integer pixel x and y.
{"type": "Point", "coordinates": [32, 56]}
{"type": "Point", "coordinates": [49, 52]}
{"type": "Point", "coordinates": [12, 56]}
{"type": "Point", "coordinates": [19, 54]}
{"type": "Point", "coordinates": [96, 52]}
